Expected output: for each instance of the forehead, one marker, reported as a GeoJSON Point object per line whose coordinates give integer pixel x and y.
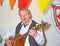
{"type": "Point", "coordinates": [23, 11]}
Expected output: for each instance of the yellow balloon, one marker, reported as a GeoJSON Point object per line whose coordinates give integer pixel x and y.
{"type": "Point", "coordinates": [42, 4]}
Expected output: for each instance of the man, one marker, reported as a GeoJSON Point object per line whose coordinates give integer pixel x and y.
{"type": "Point", "coordinates": [34, 37]}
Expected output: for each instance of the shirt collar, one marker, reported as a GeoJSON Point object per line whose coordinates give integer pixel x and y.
{"type": "Point", "coordinates": [29, 22]}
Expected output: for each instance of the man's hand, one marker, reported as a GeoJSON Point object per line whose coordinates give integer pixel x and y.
{"type": "Point", "coordinates": [33, 32]}
{"type": "Point", "coordinates": [8, 42]}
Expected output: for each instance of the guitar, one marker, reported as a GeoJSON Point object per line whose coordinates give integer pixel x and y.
{"type": "Point", "coordinates": [18, 40]}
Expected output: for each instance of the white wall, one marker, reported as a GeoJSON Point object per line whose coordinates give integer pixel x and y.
{"type": "Point", "coordinates": [10, 18]}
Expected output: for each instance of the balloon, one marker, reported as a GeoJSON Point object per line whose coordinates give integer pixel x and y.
{"type": "Point", "coordinates": [42, 4]}
{"type": "Point", "coordinates": [12, 2]}
{"type": "Point", "coordinates": [23, 3]}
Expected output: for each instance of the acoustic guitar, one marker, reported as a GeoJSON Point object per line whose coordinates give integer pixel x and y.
{"type": "Point", "coordinates": [18, 40]}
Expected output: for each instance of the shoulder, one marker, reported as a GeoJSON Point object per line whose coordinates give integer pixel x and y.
{"type": "Point", "coordinates": [33, 21]}
{"type": "Point", "coordinates": [19, 25]}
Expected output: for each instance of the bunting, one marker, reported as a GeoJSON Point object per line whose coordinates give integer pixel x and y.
{"type": "Point", "coordinates": [56, 15]}
{"type": "Point", "coordinates": [11, 3]}
{"type": "Point", "coordinates": [42, 4]}
{"type": "Point", "coordinates": [23, 3]}
{"type": "Point", "coordinates": [48, 7]}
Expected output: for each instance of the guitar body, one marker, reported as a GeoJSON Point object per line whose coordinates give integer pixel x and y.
{"type": "Point", "coordinates": [19, 42]}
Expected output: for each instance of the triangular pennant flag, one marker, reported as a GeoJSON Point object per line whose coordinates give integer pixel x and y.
{"type": "Point", "coordinates": [1, 2]}
{"type": "Point", "coordinates": [23, 3]}
{"type": "Point", "coordinates": [48, 7]}
{"type": "Point", "coordinates": [56, 15]}
{"type": "Point", "coordinates": [11, 3]}
{"type": "Point", "coordinates": [42, 4]}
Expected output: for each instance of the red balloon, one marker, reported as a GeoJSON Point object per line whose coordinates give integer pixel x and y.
{"type": "Point", "coordinates": [22, 3]}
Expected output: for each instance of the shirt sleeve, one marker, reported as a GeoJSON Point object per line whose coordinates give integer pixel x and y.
{"type": "Point", "coordinates": [40, 38]}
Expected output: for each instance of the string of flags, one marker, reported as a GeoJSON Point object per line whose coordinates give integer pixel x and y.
{"type": "Point", "coordinates": [21, 3]}
{"type": "Point", "coordinates": [41, 4]}
{"type": "Point", "coordinates": [44, 5]}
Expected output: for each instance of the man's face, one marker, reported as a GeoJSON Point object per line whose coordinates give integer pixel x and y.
{"type": "Point", "coordinates": [25, 17]}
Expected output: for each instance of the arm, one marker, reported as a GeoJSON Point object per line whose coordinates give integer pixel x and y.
{"type": "Point", "coordinates": [38, 36]}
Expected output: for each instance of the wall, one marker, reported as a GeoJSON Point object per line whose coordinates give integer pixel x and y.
{"type": "Point", "coordinates": [10, 18]}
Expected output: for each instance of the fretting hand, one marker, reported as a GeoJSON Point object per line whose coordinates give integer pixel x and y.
{"type": "Point", "coordinates": [32, 32]}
